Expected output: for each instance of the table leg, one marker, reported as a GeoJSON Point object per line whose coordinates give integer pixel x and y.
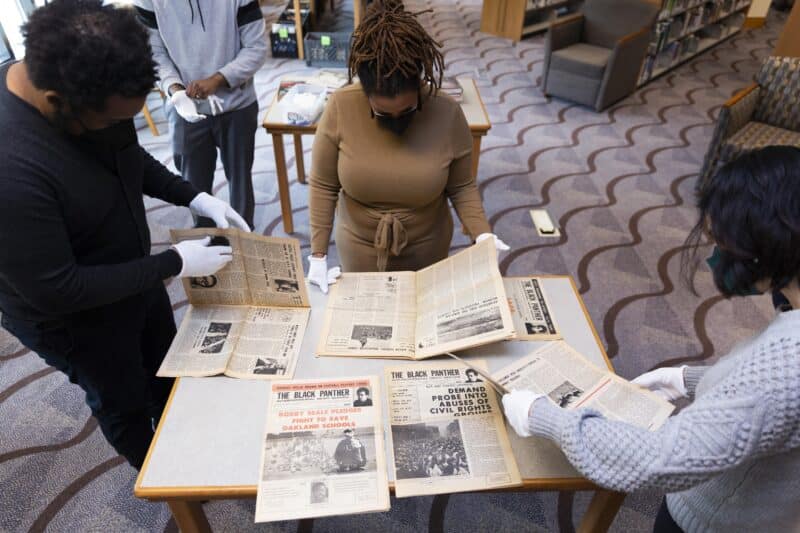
{"type": "Point", "coordinates": [357, 4]}
{"type": "Point", "coordinates": [283, 182]}
{"type": "Point", "coordinates": [438, 509]}
{"type": "Point", "coordinates": [298, 158]}
{"type": "Point", "coordinates": [298, 29]}
{"type": "Point", "coordinates": [601, 512]}
{"type": "Point", "coordinates": [189, 516]}
{"type": "Point", "coordinates": [476, 154]}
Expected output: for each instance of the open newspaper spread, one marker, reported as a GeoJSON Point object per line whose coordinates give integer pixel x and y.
{"type": "Point", "coordinates": [248, 319]}
{"type": "Point", "coordinates": [530, 310]}
{"type": "Point", "coordinates": [454, 304]}
{"type": "Point", "coordinates": [571, 381]}
{"type": "Point", "coordinates": [323, 450]}
{"type": "Point", "coordinates": [447, 431]}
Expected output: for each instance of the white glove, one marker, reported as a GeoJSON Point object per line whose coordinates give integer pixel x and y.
{"type": "Point", "coordinates": [498, 243]}
{"type": "Point", "coordinates": [185, 106]}
{"type": "Point", "coordinates": [200, 259]}
{"type": "Point", "coordinates": [320, 275]}
{"type": "Point", "coordinates": [666, 382]}
{"type": "Point", "coordinates": [220, 212]}
{"type": "Point", "coordinates": [517, 406]}
{"type": "Point", "coordinates": [215, 102]}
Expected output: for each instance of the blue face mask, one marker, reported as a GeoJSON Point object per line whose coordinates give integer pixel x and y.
{"type": "Point", "coordinates": [727, 280]}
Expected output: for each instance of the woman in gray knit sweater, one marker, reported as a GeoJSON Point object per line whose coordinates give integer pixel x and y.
{"type": "Point", "coordinates": [730, 461]}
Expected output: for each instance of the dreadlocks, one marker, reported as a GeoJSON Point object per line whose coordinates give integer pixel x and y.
{"type": "Point", "coordinates": [391, 50]}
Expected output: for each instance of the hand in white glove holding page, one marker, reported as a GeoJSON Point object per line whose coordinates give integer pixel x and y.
{"type": "Point", "coordinates": [498, 242]}
{"type": "Point", "coordinates": [320, 275]}
{"type": "Point", "coordinates": [517, 407]}
{"type": "Point", "coordinates": [666, 382]}
{"type": "Point", "coordinates": [220, 212]}
{"type": "Point", "coordinates": [200, 259]}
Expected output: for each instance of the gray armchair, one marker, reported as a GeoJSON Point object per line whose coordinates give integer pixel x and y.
{"type": "Point", "coordinates": [764, 114]}
{"type": "Point", "coordinates": [594, 57]}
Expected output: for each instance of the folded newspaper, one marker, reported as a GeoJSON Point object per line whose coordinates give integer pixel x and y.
{"type": "Point", "coordinates": [452, 305]}
{"type": "Point", "coordinates": [571, 381]}
{"type": "Point", "coordinates": [248, 319]}
{"type": "Point", "coordinates": [323, 451]}
{"type": "Point", "coordinates": [530, 310]}
{"type": "Point", "coordinates": [447, 431]}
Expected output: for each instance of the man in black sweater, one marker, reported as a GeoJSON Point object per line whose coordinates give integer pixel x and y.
{"type": "Point", "coordinates": [77, 282]}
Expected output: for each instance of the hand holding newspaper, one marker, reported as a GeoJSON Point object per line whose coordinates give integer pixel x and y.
{"type": "Point", "coordinates": [248, 319]}
{"type": "Point", "coordinates": [571, 381]}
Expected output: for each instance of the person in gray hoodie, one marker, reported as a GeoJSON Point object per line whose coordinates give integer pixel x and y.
{"type": "Point", "coordinates": [730, 461]}
{"type": "Point", "coordinates": [207, 53]}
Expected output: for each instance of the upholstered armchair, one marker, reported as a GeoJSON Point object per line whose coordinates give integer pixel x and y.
{"type": "Point", "coordinates": [766, 113]}
{"type": "Point", "coordinates": [594, 57]}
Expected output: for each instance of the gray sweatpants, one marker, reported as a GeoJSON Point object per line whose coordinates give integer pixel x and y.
{"type": "Point", "coordinates": [195, 148]}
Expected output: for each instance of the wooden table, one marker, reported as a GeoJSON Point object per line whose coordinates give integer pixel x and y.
{"type": "Point", "coordinates": [474, 110]}
{"type": "Point", "coordinates": [208, 443]}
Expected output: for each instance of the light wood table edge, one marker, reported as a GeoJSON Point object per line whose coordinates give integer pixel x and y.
{"type": "Point", "coordinates": [140, 477]}
{"type": "Point", "coordinates": [249, 491]}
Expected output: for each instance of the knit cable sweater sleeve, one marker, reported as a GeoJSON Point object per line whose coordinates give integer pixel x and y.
{"type": "Point", "coordinates": [324, 179]}
{"type": "Point", "coordinates": [753, 412]}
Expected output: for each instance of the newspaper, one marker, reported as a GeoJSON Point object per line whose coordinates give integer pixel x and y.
{"type": "Point", "coordinates": [265, 271]}
{"type": "Point", "coordinates": [571, 381]}
{"type": "Point", "coordinates": [530, 310]}
{"type": "Point", "coordinates": [248, 319]}
{"type": "Point", "coordinates": [323, 451]}
{"type": "Point", "coordinates": [447, 431]}
{"type": "Point", "coordinates": [454, 304]}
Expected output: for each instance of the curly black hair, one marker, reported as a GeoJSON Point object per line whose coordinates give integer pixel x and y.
{"type": "Point", "coordinates": [751, 209]}
{"type": "Point", "coordinates": [87, 52]}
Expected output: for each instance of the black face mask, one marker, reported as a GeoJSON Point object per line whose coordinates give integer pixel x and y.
{"type": "Point", "coordinates": [396, 125]}
{"type": "Point", "coordinates": [116, 137]}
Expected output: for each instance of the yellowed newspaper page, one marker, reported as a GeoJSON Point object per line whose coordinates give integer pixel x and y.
{"type": "Point", "coordinates": [461, 302]}
{"type": "Point", "coordinates": [274, 270]}
{"type": "Point", "coordinates": [533, 319]}
{"type": "Point", "coordinates": [269, 343]}
{"type": "Point", "coordinates": [205, 341]}
{"type": "Point", "coordinates": [228, 286]}
{"type": "Point", "coordinates": [447, 431]}
{"type": "Point", "coordinates": [571, 381]}
{"type": "Point", "coordinates": [323, 451]}
{"type": "Point", "coordinates": [370, 315]}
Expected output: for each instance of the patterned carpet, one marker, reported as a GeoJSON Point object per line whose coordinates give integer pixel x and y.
{"type": "Point", "coordinates": [619, 184]}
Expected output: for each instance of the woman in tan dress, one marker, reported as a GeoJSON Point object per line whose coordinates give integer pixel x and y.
{"type": "Point", "coordinates": [388, 154]}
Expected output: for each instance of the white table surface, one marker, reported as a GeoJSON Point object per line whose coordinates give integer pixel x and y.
{"type": "Point", "coordinates": [210, 435]}
{"type": "Point", "coordinates": [471, 105]}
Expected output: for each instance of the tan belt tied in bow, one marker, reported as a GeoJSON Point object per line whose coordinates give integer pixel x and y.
{"type": "Point", "coordinates": [390, 237]}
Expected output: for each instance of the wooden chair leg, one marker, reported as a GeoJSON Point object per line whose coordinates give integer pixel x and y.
{"type": "Point", "coordinates": [149, 119]}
